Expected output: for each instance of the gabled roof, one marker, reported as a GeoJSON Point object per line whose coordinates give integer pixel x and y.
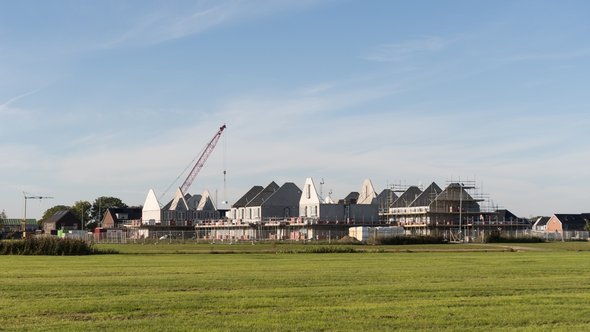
{"type": "Point", "coordinates": [542, 221]}
{"type": "Point", "coordinates": [57, 216]}
{"type": "Point", "coordinates": [263, 195]}
{"type": "Point", "coordinates": [504, 214]}
{"type": "Point", "coordinates": [65, 215]}
{"type": "Point", "coordinates": [249, 196]}
{"type": "Point", "coordinates": [427, 196]}
{"type": "Point", "coordinates": [17, 222]}
{"type": "Point", "coordinates": [407, 197]}
{"type": "Point", "coordinates": [453, 193]}
{"type": "Point", "coordinates": [193, 202]}
{"type": "Point", "coordinates": [572, 220]}
{"type": "Point", "coordinates": [367, 194]}
{"type": "Point", "coordinates": [287, 195]}
{"type": "Point", "coordinates": [386, 197]}
{"type": "Point", "coordinates": [130, 213]}
{"type": "Point", "coordinates": [351, 198]}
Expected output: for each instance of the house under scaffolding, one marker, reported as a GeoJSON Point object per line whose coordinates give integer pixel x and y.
{"type": "Point", "coordinates": [458, 212]}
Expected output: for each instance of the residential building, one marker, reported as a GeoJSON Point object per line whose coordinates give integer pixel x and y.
{"type": "Point", "coordinates": [274, 203]}
{"type": "Point", "coordinates": [151, 213]}
{"type": "Point", "coordinates": [540, 224]}
{"type": "Point", "coordinates": [562, 222]}
{"type": "Point", "coordinates": [10, 225]}
{"type": "Point", "coordinates": [61, 220]}
{"type": "Point", "coordinates": [182, 211]}
{"type": "Point", "coordinates": [253, 208]}
{"type": "Point", "coordinates": [122, 217]}
{"type": "Point", "coordinates": [237, 213]}
{"type": "Point", "coordinates": [384, 201]}
{"type": "Point", "coordinates": [348, 210]}
{"type": "Point", "coordinates": [313, 208]}
{"type": "Point", "coordinates": [367, 194]}
{"type": "Point", "coordinates": [452, 210]}
{"type": "Point", "coordinates": [201, 208]}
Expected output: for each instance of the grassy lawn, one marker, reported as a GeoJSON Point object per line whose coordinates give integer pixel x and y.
{"type": "Point", "coordinates": [546, 288]}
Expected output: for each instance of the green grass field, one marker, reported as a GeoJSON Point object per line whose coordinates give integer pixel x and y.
{"type": "Point", "coordinates": [152, 287]}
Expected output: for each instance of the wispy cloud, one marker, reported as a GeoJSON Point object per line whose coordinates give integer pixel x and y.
{"type": "Point", "coordinates": [551, 56]}
{"type": "Point", "coordinates": [297, 123]}
{"type": "Point", "coordinates": [292, 135]}
{"type": "Point", "coordinates": [4, 106]}
{"type": "Point", "coordinates": [164, 25]}
{"type": "Point", "coordinates": [401, 51]}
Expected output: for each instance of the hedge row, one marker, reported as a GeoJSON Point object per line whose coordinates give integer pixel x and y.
{"type": "Point", "coordinates": [404, 240]}
{"type": "Point", "coordinates": [498, 238]}
{"type": "Point", "coordinates": [49, 246]}
{"type": "Point", "coordinates": [319, 250]}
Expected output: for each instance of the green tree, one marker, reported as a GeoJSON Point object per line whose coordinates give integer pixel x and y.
{"type": "Point", "coordinates": [2, 218]}
{"type": "Point", "coordinates": [101, 204]}
{"type": "Point", "coordinates": [81, 209]}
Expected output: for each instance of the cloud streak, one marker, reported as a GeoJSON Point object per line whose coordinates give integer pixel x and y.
{"type": "Point", "coordinates": [4, 106]}
{"type": "Point", "coordinates": [164, 25]}
{"type": "Point", "coordinates": [305, 132]}
{"type": "Point", "coordinates": [396, 52]}
{"type": "Point", "coordinates": [550, 56]}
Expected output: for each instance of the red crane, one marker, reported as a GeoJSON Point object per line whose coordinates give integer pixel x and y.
{"type": "Point", "coordinates": [202, 159]}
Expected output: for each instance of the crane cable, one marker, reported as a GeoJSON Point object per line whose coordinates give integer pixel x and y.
{"type": "Point", "coordinates": [224, 201]}
{"type": "Point", "coordinates": [182, 173]}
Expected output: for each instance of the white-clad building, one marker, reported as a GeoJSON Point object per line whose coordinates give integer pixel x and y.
{"type": "Point", "coordinates": [182, 210]}
{"type": "Point", "coordinates": [312, 207]}
{"type": "Point", "coordinates": [151, 212]}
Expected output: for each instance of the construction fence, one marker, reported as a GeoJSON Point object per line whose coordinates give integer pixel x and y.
{"type": "Point", "coordinates": [301, 234]}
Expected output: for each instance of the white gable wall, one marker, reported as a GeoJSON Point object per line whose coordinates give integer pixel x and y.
{"type": "Point", "coordinates": [367, 193]}
{"type": "Point", "coordinates": [252, 214]}
{"type": "Point", "coordinates": [151, 211]}
{"type": "Point", "coordinates": [179, 203]}
{"type": "Point", "coordinates": [310, 205]}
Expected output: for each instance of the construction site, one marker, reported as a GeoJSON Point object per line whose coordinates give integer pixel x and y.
{"type": "Point", "coordinates": [288, 212]}
{"type": "Point", "coordinates": [292, 212]}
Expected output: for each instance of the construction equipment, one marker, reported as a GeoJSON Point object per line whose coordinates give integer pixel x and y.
{"type": "Point", "coordinates": [202, 159]}
{"type": "Point", "coordinates": [27, 197]}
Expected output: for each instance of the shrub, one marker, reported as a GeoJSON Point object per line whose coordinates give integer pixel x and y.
{"type": "Point", "coordinates": [496, 237]}
{"type": "Point", "coordinates": [348, 240]}
{"type": "Point", "coordinates": [50, 246]}
{"type": "Point", "coordinates": [405, 240]}
{"type": "Point", "coordinates": [320, 250]}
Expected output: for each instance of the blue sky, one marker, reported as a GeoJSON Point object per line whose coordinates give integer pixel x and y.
{"type": "Point", "coordinates": [112, 98]}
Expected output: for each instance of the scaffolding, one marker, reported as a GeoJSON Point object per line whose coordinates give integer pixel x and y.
{"type": "Point", "coordinates": [457, 212]}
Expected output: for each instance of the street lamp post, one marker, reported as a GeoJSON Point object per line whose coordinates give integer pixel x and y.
{"type": "Point", "coordinates": [461, 211]}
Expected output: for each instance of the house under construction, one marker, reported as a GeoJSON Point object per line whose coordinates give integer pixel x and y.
{"type": "Point", "coordinates": [457, 211]}
{"type": "Point", "coordinates": [287, 212]}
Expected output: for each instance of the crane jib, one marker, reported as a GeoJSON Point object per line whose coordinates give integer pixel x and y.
{"type": "Point", "coordinates": [201, 161]}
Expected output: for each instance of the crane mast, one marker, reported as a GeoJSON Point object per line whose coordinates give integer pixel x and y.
{"type": "Point", "coordinates": [202, 159]}
{"type": "Point", "coordinates": [27, 197]}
